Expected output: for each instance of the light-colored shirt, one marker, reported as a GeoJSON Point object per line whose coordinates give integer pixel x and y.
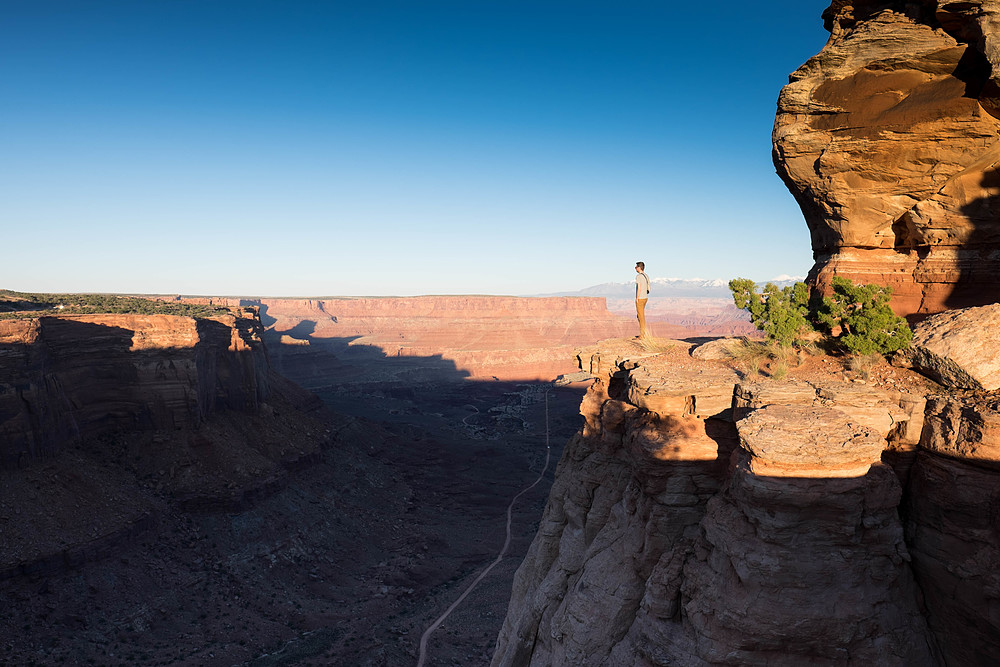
{"type": "Point", "coordinates": [641, 286]}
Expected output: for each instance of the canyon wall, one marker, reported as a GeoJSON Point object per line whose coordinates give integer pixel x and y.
{"type": "Point", "coordinates": [702, 517]}
{"type": "Point", "coordinates": [511, 338]}
{"type": "Point", "coordinates": [104, 416]}
{"type": "Point", "coordinates": [888, 139]}
{"type": "Point", "coordinates": [67, 379]}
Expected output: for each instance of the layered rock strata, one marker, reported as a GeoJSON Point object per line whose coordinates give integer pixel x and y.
{"type": "Point", "coordinates": [102, 417]}
{"type": "Point", "coordinates": [765, 529]}
{"type": "Point", "coordinates": [482, 337]}
{"type": "Point", "coordinates": [888, 139]}
{"type": "Point", "coordinates": [629, 493]}
{"type": "Point", "coordinates": [953, 526]}
{"type": "Point", "coordinates": [67, 379]}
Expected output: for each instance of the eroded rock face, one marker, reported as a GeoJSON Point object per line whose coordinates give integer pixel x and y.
{"type": "Point", "coordinates": [958, 348]}
{"type": "Point", "coordinates": [621, 519]}
{"type": "Point", "coordinates": [954, 536]}
{"type": "Point", "coordinates": [674, 536]}
{"type": "Point", "coordinates": [66, 379]}
{"type": "Point", "coordinates": [888, 139]}
{"type": "Point", "coordinates": [804, 570]}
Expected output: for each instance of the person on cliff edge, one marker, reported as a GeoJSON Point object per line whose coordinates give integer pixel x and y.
{"type": "Point", "coordinates": [641, 296]}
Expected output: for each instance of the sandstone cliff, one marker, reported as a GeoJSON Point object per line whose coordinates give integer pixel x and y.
{"type": "Point", "coordinates": [67, 379]}
{"type": "Point", "coordinates": [101, 415]}
{"type": "Point", "coordinates": [704, 517]}
{"type": "Point", "coordinates": [511, 338]}
{"type": "Point", "coordinates": [888, 139]}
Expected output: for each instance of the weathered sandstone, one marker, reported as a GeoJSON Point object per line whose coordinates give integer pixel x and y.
{"type": "Point", "coordinates": [677, 536]}
{"type": "Point", "coordinates": [808, 442]}
{"type": "Point", "coordinates": [67, 379]}
{"type": "Point", "coordinates": [895, 415]}
{"type": "Point", "coordinates": [952, 532]}
{"type": "Point", "coordinates": [958, 348]}
{"type": "Point", "coordinates": [629, 493]}
{"type": "Point", "coordinates": [888, 139]}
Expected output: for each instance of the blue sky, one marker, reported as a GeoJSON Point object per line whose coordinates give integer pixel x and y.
{"type": "Point", "coordinates": [375, 148]}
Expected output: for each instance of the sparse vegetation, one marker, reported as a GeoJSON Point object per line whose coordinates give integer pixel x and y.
{"type": "Point", "coordinates": [781, 313]}
{"type": "Point", "coordinates": [858, 317]}
{"type": "Point", "coordinates": [657, 345]}
{"type": "Point", "coordinates": [862, 364]}
{"type": "Point", "coordinates": [18, 305]}
{"type": "Point", "coordinates": [758, 355]}
{"type": "Point", "coordinates": [865, 321]}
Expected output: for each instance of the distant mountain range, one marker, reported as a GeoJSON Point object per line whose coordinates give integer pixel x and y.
{"type": "Point", "coordinates": [679, 288]}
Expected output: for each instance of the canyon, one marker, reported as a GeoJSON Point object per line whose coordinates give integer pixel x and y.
{"type": "Point", "coordinates": [485, 337]}
{"type": "Point", "coordinates": [313, 480]}
{"type": "Point", "coordinates": [168, 497]}
{"type": "Point", "coordinates": [289, 477]}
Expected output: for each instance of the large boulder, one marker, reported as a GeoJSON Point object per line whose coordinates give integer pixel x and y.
{"type": "Point", "coordinates": [958, 348]}
{"type": "Point", "coordinates": [888, 139]}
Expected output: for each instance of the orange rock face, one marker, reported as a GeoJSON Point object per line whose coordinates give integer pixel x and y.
{"type": "Point", "coordinates": [888, 139]}
{"type": "Point", "coordinates": [512, 338]}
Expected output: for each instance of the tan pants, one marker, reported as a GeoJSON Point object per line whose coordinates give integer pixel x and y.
{"type": "Point", "coordinates": [640, 311]}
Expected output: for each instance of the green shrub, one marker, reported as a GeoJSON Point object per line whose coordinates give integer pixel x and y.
{"type": "Point", "coordinates": [867, 323]}
{"type": "Point", "coordinates": [779, 312]}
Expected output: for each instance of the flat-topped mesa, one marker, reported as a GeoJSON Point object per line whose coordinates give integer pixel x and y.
{"type": "Point", "coordinates": [513, 338]}
{"type": "Point", "coordinates": [888, 140]}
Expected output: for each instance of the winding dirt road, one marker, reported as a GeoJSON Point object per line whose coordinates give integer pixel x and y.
{"type": "Point", "coordinates": [503, 551]}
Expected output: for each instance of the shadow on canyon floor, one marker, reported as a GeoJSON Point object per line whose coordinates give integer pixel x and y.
{"type": "Point", "coordinates": [346, 563]}
{"type": "Point", "coordinates": [463, 448]}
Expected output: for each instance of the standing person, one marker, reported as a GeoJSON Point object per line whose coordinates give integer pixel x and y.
{"type": "Point", "coordinates": [641, 295]}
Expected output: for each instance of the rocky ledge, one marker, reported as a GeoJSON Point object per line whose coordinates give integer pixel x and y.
{"type": "Point", "coordinates": [708, 515]}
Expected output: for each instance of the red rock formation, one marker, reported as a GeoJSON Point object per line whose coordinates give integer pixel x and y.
{"type": "Point", "coordinates": [888, 141]}
{"type": "Point", "coordinates": [101, 414]}
{"type": "Point", "coordinates": [72, 378]}
{"type": "Point", "coordinates": [512, 338]}
{"type": "Point", "coordinates": [958, 348]}
{"type": "Point", "coordinates": [953, 526]}
{"type": "Point", "coordinates": [676, 535]}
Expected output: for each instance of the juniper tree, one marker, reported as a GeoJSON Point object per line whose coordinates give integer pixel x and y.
{"type": "Point", "coordinates": [867, 323]}
{"type": "Point", "coordinates": [781, 313]}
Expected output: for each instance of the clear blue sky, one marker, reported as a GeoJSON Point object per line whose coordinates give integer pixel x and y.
{"type": "Point", "coordinates": [411, 147]}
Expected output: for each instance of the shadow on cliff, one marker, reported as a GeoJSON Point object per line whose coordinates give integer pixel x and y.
{"type": "Point", "coordinates": [976, 284]}
{"type": "Point", "coordinates": [78, 380]}
{"type": "Point", "coordinates": [977, 258]}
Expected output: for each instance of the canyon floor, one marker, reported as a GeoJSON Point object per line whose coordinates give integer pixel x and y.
{"type": "Point", "coordinates": [347, 564]}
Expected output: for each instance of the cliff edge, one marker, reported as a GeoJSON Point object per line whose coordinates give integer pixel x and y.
{"type": "Point", "coordinates": [706, 515]}
{"type": "Point", "coordinates": [104, 416]}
